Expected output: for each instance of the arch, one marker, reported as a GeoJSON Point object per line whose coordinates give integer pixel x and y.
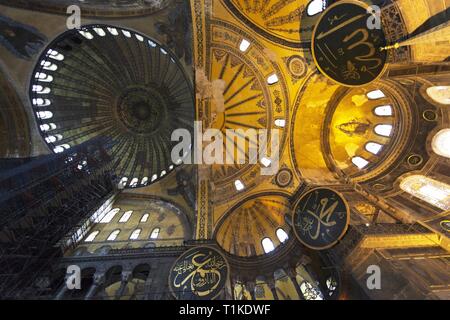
{"type": "Point", "coordinates": [141, 271]}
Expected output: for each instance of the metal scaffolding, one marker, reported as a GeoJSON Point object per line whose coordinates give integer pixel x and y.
{"type": "Point", "coordinates": [41, 201]}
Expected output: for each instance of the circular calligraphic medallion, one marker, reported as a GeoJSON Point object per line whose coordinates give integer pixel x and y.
{"type": "Point", "coordinates": [445, 224]}
{"type": "Point", "coordinates": [347, 42]}
{"type": "Point", "coordinates": [320, 218]}
{"type": "Point", "coordinates": [198, 274]}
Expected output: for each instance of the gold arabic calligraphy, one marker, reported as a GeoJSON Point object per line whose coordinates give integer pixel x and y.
{"type": "Point", "coordinates": [204, 275]}
{"type": "Point", "coordinates": [355, 56]}
{"type": "Point", "coordinates": [322, 215]}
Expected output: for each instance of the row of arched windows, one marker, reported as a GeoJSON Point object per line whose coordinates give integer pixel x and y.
{"type": "Point", "coordinates": [268, 245]}
{"type": "Point", "coordinates": [382, 129]}
{"type": "Point", "coordinates": [133, 236]}
{"type": "Point", "coordinates": [123, 219]}
{"type": "Point", "coordinates": [440, 143]}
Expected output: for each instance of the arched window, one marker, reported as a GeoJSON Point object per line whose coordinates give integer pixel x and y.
{"type": "Point", "coordinates": [100, 32]}
{"type": "Point", "coordinates": [45, 114]}
{"type": "Point", "coordinates": [331, 285]}
{"type": "Point", "coordinates": [282, 235]}
{"type": "Point", "coordinates": [155, 233]}
{"type": "Point", "coordinates": [429, 190]}
{"type": "Point", "coordinates": [47, 65]}
{"type": "Point", "coordinates": [43, 77]}
{"type": "Point", "coordinates": [384, 130]}
{"type": "Point", "coordinates": [86, 34]}
{"type": "Point", "coordinates": [239, 185]}
{"type": "Point", "coordinates": [135, 234]}
{"type": "Point", "coordinates": [440, 94]}
{"type": "Point", "coordinates": [244, 45]}
{"type": "Point", "coordinates": [126, 216]}
{"type": "Point", "coordinates": [109, 216]}
{"type": "Point", "coordinates": [315, 7]}
{"type": "Point", "coordinates": [144, 217]}
{"type": "Point", "coordinates": [134, 182]}
{"type": "Point", "coordinates": [361, 163]}
{"type": "Point", "coordinates": [383, 111]}
{"type": "Point", "coordinates": [40, 89]}
{"type": "Point", "coordinates": [54, 138]}
{"type": "Point", "coordinates": [41, 102]}
{"type": "Point", "coordinates": [113, 31]}
{"type": "Point", "coordinates": [280, 123]}
{"type": "Point", "coordinates": [123, 182]}
{"type": "Point", "coordinates": [272, 79]}
{"type": "Point", "coordinates": [126, 33]}
{"type": "Point", "coordinates": [55, 55]}
{"type": "Point", "coordinates": [373, 147]}
{"type": "Point", "coordinates": [267, 245]}
{"type": "Point", "coordinates": [441, 143]}
{"type": "Point", "coordinates": [113, 235]}
{"type": "Point", "coordinates": [309, 292]}
{"type": "Point", "coordinates": [92, 236]}
{"type": "Point", "coordinates": [47, 126]}
{"type": "Point", "coordinates": [375, 95]}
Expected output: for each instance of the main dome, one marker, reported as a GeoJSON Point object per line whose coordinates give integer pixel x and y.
{"type": "Point", "coordinates": [104, 81]}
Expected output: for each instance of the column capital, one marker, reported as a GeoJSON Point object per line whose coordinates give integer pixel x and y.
{"type": "Point", "coordinates": [99, 278]}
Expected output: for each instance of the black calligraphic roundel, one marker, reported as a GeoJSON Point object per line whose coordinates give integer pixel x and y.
{"type": "Point", "coordinates": [445, 224]}
{"type": "Point", "coordinates": [346, 43]}
{"type": "Point", "coordinates": [198, 274]}
{"type": "Point", "coordinates": [320, 218]}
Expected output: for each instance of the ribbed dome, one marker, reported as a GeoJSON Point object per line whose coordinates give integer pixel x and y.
{"type": "Point", "coordinates": [110, 82]}
{"type": "Point", "coordinates": [245, 227]}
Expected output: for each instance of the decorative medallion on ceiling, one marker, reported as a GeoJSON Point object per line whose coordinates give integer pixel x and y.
{"type": "Point", "coordinates": [117, 84]}
{"type": "Point", "coordinates": [346, 48]}
{"type": "Point", "coordinates": [320, 219]}
{"type": "Point", "coordinates": [200, 273]}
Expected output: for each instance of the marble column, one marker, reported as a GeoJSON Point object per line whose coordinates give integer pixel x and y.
{"type": "Point", "coordinates": [126, 277]}
{"type": "Point", "coordinates": [99, 279]}
{"type": "Point", "coordinates": [62, 291]}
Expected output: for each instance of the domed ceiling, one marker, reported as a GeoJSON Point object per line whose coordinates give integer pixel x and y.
{"type": "Point", "coordinates": [248, 102]}
{"type": "Point", "coordinates": [245, 226]}
{"type": "Point", "coordinates": [116, 84]}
